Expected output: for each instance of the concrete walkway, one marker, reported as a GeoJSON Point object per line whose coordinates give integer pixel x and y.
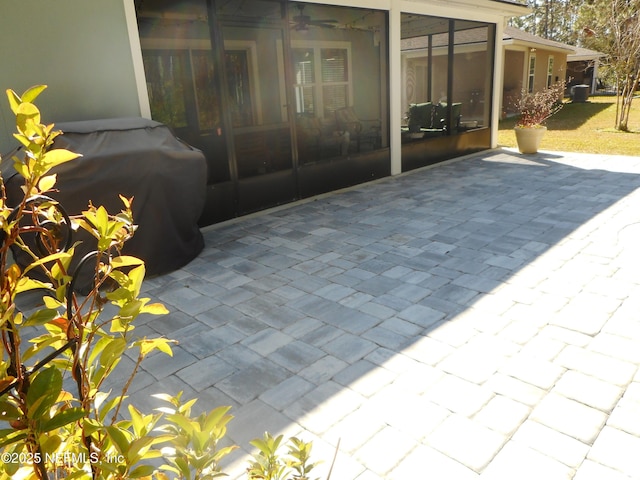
{"type": "Point", "coordinates": [478, 319]}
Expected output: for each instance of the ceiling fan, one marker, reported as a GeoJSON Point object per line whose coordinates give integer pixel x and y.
{"type": "Point", "coordinates": [302, 22]}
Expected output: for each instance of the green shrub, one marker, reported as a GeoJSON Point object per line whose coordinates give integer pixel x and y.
{"type": "Point", "coordinates": [46, 428]}
{"type": "Point", "coordinates": [56, 419]}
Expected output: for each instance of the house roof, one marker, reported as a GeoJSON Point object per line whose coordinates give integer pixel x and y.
{"type": "Point", "coordinates": [582, 54]}
{"type": "Point", "coordinates": [515, 36]}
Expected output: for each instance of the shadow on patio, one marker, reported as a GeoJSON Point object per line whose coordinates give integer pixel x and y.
{"type": "Point", "coordinates": [424, 318]}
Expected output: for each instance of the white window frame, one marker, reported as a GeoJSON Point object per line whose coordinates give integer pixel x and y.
{"type": "Point", "coordinates": [251, 48]}
{"type": "Point", "coordinates": [531, 73]}
{"type": "Point", "coordinates": [550, 63]}
{"type": "Point", "coordinates": [317, 47]}
{"type": "Point", "coordinates": [188, 45]}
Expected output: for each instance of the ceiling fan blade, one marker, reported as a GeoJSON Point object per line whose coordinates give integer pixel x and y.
{"type": "Point", "coordinates": [315, 23]}
{"type": "Point", "coordinates": [302, 21]}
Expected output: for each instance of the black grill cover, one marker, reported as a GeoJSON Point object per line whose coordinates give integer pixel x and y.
{"type": "Point", "coordinates": [137, 158]}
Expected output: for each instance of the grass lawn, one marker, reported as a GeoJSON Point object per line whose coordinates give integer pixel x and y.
{"type": "Point", "coordinates": [584, 127]}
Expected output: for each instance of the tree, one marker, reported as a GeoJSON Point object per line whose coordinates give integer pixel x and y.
{"type": "Point", "coordinates": [551, 19]}
{"type": "Point", "coordinates": [613, 27]}
{"type": "Point", "coordinates": [608, 26]}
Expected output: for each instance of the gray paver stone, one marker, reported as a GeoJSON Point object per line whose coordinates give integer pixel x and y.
{"type": "Point", "coordinates": [349, 348]}
{"type": "Point", "coordinates": [424, 460]}
{"type": "Point", "coordinates": [589, 390]}
{"type": "Point", "coordinates": [466, 441]}
{"type": "Point", "coordinates": [458, 395]}
{"type": "Point", "coordinates": [385, 450]}
{"type": "Point", "coordinates": [618, 450]}
{"type": "Point", "coordinates": [524, 463]}
{"type": "Point", "coordinates": [596, 364]}
{"type": "Point", "coordinates": [591, 470]}
{"type": "Point", "coordinates": [570, 417]}
{"type": "Point", "coordinates": [503, 414]}
{"type": "Point", "coordinates": [552, 443]}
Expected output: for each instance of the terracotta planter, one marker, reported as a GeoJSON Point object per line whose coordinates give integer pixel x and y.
{"type": "Point", "coordinates": [529, 138]}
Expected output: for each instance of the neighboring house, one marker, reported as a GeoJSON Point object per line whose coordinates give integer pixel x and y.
{"type": "Point", "coordinates": [286, 99]}
{"type": "Point", "coordinates": [582, 68]}
{"type": "Point", "coordinates": [531, 63]}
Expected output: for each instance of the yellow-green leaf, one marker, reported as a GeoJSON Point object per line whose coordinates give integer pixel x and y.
{"type": "Point", "coordinates": [43, 392]}
{"type": "Point", "coordinates": [57, 157]}
{"type": "Point", "coordinates": [14, 100]}
{"type": "Point", "coordinates": [154, 309]}
{"type": "Point", "coordinates": [41, 316]}
{"type": "Point", "coordinates": [9, 436]}
{"type": "Point", "coordinates": [63, 256]}
{"type": "Point", "coordinates": [8, 411]}
{"type": "Point", "coordinates": [139, 448]}
{"type": "Point", "coordinates": [32, 93]}
{"type": "Point", "coordinates": [25, 284]}
{"type": "Point", "coordinates": [51, 302]}
{"type": "Point", "coordinates": [166, 397]}
{"type": "Point", "coordinates": [46, 183]}
{"type": "Point", "coordinates": [27, 114]}
{"type": "Point", "coordinates": [149, 345]}
{"type": "Point", "coordinates": [119, 439]}
{"type": "Point", "coordinates": [141, 471]}
{"type": "Point", "coordinates": [217, 417]}
{"type": "Point", "coordinates": [118, 325]}
{"type": "Point", "coordinates": [131, 309]}
{"type": "Point", "coordinates": [137, 277]}
{"type": "Point", "coordinates": [63, 418]}
{"type": "Point", "coordinates": [109, 406]}
{"type": "Point", "coordinates": [50, 443]}
{"type": "Point", "coordinates": [98, 348]}
{"type": "Point", "coordinates": [138, 421]}
{"type": "Point", "coordinates": [183, 466]}
{"type": "Point", "coordinates": [24, 140]}
{"type": "Point", "coordinates": [125, 261]}
{"type": "Point", "coordinates": [113, 351]}
{"type": "Point", "coordinates": [126, 201]}
{"type": "Point", "coordinates": [183, 423]}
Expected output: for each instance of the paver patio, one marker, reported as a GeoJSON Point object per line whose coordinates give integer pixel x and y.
{"type": "Point", "coordinates": [477, 319]}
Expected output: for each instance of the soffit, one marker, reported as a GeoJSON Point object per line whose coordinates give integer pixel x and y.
{"type": "Point", "coordinates": [515, 36]}
{"type": "Point", "coordinates": [505, 8]}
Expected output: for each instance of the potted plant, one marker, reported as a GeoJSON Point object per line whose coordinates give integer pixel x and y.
{"type": "Point", "coordinates": [534, 109]}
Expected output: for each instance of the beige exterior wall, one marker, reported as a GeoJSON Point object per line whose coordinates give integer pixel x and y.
{"type": "Point", "coordinates": [80, 49]}
{"type": "Point", "coordinates": [514, 62]}
{"type": "Point", "coordinates": [516, 73]}
{"type": "Point", "coordinates": [542, 61]}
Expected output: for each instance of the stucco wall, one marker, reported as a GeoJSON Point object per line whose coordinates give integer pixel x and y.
{"type": "Point", "coordinates": [559, 68]}
{"type": "Point", "coordinates": [79, 48]}
{"type": "Point", "coordinates": [513, 80]}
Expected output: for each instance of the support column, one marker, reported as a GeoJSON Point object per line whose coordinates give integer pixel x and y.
{"type": "Point", "coordinates": [395, 88]}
